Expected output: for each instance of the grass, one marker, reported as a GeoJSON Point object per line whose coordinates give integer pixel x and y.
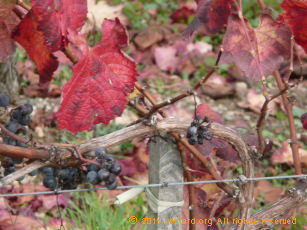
{"type": "Point", "coordinates": [91, 211]}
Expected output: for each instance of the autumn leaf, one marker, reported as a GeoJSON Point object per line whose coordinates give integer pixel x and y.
{"type": "Point", "coordinates": [218, 146]}
{"type": "Point", "coordinates": [56, 18]}
{"type": "Point", "coordinates": [8, 21]}
{"type": "Point", "coordinates": [283, 155]}
{"type": "Point", "coordinates": [182, 14]}
{"type": "Point", "coordinates": [268, 46]}
{"type": "Point", "coordinates": [205, 110]}
{"type": "Point", "coordinates": [213, 14]}
{"type": "Point", "coordinates": [28, 35]}
{"type": "Point", "coordinates": [295, 16]}
{"type": "Point", "coordinates": [304, 120]}
{"type": "Point", "coordinates": [100, 84]}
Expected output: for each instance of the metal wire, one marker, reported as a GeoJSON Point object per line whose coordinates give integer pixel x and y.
{"type": "Point", "coordinates": [165, 184]}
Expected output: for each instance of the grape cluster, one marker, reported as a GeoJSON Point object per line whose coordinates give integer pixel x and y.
{"type": "Point", "coordinates": [69, 178]}
{"type": "Point", "coordinates": [5, 100]}
{"type": "Point", "coordinates": [107, 172]}
{"type": "Point", "coordinates": [20, 118]}
{"type": "Point", "coordinates": [197, 132]}
{"type": "Point", "coordinates": [66, 178]}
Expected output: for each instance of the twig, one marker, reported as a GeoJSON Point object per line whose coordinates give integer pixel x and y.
{"type": "Point", "coordinates": [287, 77]}
{"type": "Point", "coordinates": [7, 132]}
{"type": "Point", "coordinates": [139, 108]}
{"type": "Point", "coordinates": [295, 198]}
{"type": "Point", "coordinates": [215, 174]}
{"type": "Point", "coordinates": [20, 152]}
{"type": "Point", "coordinates": [173, 100]}
{"type": "Point", "coordinates": [24, 5]}
{"type": "Point", "coordinates": [79, 154]}
{"type": "Point", "coordinates": [69, 54]}
{"type": "Point", "coordinates": [166, 125]}
{"type": "Point", "coordinates": [215, 207]}
{"type": "Point", "coordinates": [208, 75]}
{"type": "Point", "coordinates": [192, 198]}
{"type": "Point", "coordinates": [294, 141]}
{"type": "Point", "coordinates": [18, 12]}
{"type": "Point", "coordinates": [262, 117]}
{"type": "Point", "coordinates": [226, 187]}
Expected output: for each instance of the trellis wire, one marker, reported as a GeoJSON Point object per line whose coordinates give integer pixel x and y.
{"type": "Point", "coordinates": [236, 180]}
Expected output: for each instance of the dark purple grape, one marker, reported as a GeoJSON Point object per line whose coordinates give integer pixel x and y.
{"type": "Point", "coordinates": [92, 167]}
{"type": "Point", "coordinates": [6, 140]}
{"type": "Point", "coordinates": [49, 182]}
{"type": "Point", "coordinates": [9, 170]}
{"type": "Point", "coordinates": [25, 120]}
{"type": "Point", "coordinates": [26, 109]}
{"type": "Point", "coordinates": [92, 177]}
{"type": "Point", "coordinates": [112, 185]}
{"type": "Point", "coordinates": [9, 141]}
{"type": "Point", "coordinates": [17, 115]}
{"type": "Point", "coordinates": [33, 173]}
{"type": "Point", "coordinates": [116, 169]}
{"type": "Point", "coordinates": [204, 133]}
{"type": "Point", "coordinates": [5, 100]}
{"type": "Point", "coordinates": [192, 131]}
{"type": "Point", "coordinates": [21, 178]}
{"type": "Point", "coordinates": [206, 119]}
{"type": "Point", "coordinates": [101, 152]}
{"type": "Point", "coordinates": [103, 174]}
{"type": "Point", "coordinates": [111, 178]}
{"type": "Point", "coordinates": [48, 171]}
{"type": "Point", "coordinates": [64, 174]}
{"type": "Point", "coordinates": [200, 140]}
{"type": "Point", "coordinates": [17, 161]}
{"type": "Point", "coordinates": [8, 162]}
{"type": "Point", "coordinates": [13, 126]}
{"type": "Point", "coordinates": [108, 162]}
{"type": "Point", "coordinates": [192, 140]}
{"type": "Point", "coordinates": [73, 173]}
{"type": "Point", "coordinates": [208, 136]}
{"type": "Point", "coordinates": [20, 144]}
{"type": "Point", "coordinates": [71, 185]}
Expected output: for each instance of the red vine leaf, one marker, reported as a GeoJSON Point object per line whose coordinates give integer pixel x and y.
{"type": "Point", "coordinates": [304, 120]}
{"type": "Point", "coordinates": [101, 81]}
{"type": "Point", "coordinates": [213, 14]}
{"type": "Point", "coordinates": [271, 43]}
{"type": "Point", "coordinates": [205, 110]}
{"type": "Point", "coordinates": [8, 21]}
{"type": "Point", "coordinates": [182, 14]}
{"type": "Point", "coordinates": [28, 35]}
{"type": "Point", "coordinates": [295, 16]}
{"type": "Point", "coordinates": [56, 18]}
